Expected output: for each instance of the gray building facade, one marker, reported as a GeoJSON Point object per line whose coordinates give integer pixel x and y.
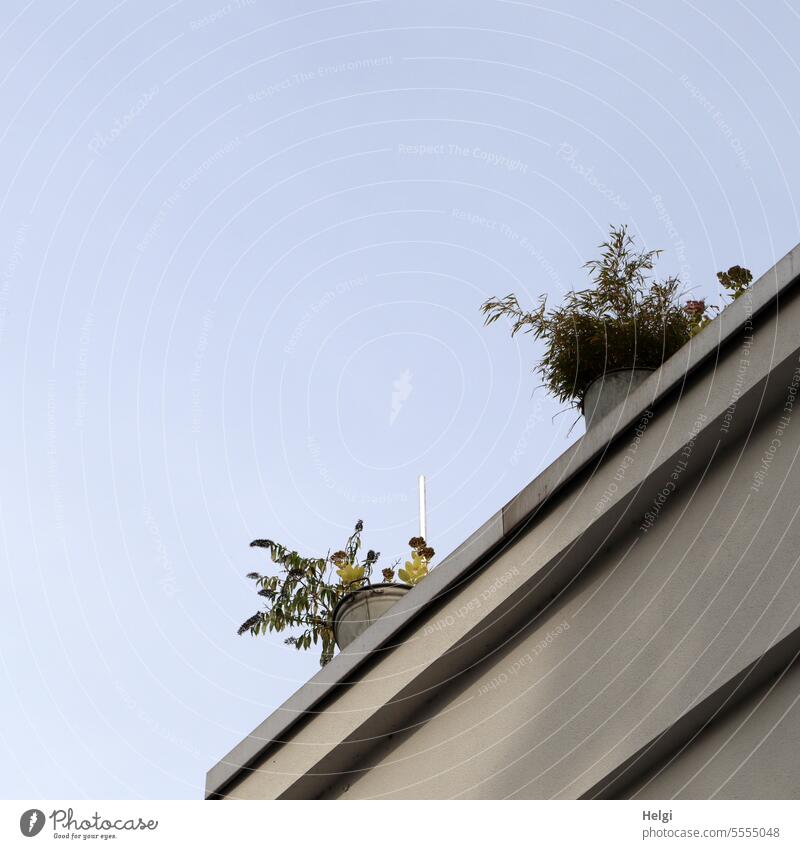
{"type": "Point", "coordinates": [625, 627]}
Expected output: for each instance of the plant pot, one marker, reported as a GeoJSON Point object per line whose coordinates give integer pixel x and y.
{"type": "Point", "coordinates": [357, 610]}
{"type": "Point", "coordinates": [609, 391]}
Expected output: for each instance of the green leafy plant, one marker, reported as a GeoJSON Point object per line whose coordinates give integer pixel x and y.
{"type": "Point", "coordinates": [626, 319]}
{"type": "Point", "coordinates": [305, 591]}
{"type": "Point", "coordinates": [303, 594]}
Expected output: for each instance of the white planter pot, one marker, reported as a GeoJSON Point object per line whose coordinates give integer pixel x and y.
{"type": "Point", "coordinates": [356, 611]}
{"type": "Point", "coordinates": [609, 391]}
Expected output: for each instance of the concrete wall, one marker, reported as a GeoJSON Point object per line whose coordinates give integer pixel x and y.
{"type": "Point", "coordinates": [749, 752]}
{"type": "Point", "coordinates": [596, 642]}
{"type": "Point", "coordinates": [639, 639]}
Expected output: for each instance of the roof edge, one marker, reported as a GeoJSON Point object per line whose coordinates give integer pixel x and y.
{"type": "Point", "coordinates": [505, 523]}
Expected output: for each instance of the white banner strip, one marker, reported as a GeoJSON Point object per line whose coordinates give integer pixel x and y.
{"type": "Point", "coordinates": [401, 824]}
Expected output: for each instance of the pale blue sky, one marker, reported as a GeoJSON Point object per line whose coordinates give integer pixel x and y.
{"type": "Point", "coordinates": [231, 232]}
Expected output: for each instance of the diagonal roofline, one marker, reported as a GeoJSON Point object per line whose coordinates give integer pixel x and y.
{"type": "Point", "coordinates": [506, 523]}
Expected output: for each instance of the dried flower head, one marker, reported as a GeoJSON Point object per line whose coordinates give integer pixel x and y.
{"type": "Point", "coordinates": [736, 279]}
{"type": "Point", "coordinates": [695, 308]}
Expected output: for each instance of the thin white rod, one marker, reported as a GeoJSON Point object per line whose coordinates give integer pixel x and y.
{"type": "Point", "coordinates": [422, 522]}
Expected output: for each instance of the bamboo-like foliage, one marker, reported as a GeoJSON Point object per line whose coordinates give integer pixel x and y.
{"type": "Point", "coordinates": [625, 319]}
